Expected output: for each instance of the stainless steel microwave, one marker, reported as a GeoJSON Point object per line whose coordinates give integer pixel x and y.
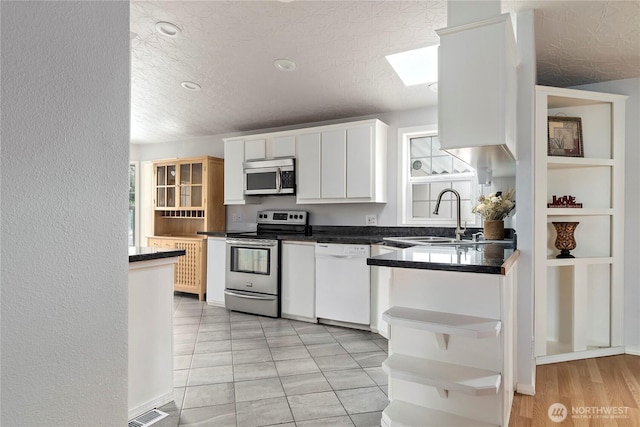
{"type": "Point", "coordinates": [266, 177]}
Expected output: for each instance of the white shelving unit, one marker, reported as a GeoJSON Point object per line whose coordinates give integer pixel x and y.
{"type": "Point", "coordinates": [451, 348]}
{"type": "Point", "coordinates": [579, 301]}
{"type": "Point", "coordinates": [403, 414]}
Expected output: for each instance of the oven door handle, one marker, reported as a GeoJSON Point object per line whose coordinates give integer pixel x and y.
{"type": "Point", "coordinates": [252, 243]}
{"type": "Point", "coordinates": [239, 295]}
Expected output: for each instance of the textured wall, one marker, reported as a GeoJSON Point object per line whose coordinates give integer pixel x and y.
{"type": "Point", "coordinates": [64, 154]}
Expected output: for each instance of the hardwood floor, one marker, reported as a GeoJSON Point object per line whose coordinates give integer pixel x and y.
{"type": "Point", "coordinates": [589, 389]}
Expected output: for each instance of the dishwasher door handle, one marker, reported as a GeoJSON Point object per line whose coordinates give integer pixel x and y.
{"type": "Point", "coordinates": [337, 256]}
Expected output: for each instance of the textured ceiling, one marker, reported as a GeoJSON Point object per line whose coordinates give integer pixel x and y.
{"type": "Point", "coordinates": [228, 47]}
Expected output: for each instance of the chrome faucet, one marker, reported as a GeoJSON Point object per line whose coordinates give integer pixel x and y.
{"type": "Point", "coordinates": [459, 230]}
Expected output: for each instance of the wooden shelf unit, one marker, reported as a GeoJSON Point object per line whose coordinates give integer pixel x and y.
{"type": "Point", "coordinates": [188, 197]}
{"type": "Point", "coordinates": [579, 301]}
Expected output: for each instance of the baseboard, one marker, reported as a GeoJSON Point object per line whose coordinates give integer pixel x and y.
{"type": "Point", "coordinates": [151, 404]}
{"type": "Point", "coordinates": [344, 324]}
{"type": "Point", "coordinates": [216, 303]}
{"type": "Point", "coordinates": [527, 389]}
{"type": "Point", "coordinates": [299, 318]}
{"type": "Point", "coordinates": [632, 349]}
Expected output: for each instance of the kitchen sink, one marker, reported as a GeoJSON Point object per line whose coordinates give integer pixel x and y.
{"type": "Point", "coordinates": [421, 240]}
{"type": "Point", "coordinates": [437, 240]}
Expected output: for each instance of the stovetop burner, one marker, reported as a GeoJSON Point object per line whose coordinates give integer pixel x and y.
{"type": "Point", "coordinates": [274, 223]}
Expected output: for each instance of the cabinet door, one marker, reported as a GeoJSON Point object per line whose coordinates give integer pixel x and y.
{"type": "Point", "coordinates": [188, 271]}
{"type": "Point", "coordinates": [333, 166]}
{"type": "Point", "coordinates": [191, 184]}
{"type": "Point", "coordinates": [360, 162]}
{"type": "Point", "coordinates": [308, 166]}
{"type": "Point", "coordinates": [166, 186]}
{"type": "Point", "coordinates": [255, 149]}
{"type": "Point", "coordinates": [216, 267]}
{"type": "Point", "coordinates": [233, 172]}
{"type": "Point", "coordinates": [283, 146]}
{"type": "Point", "coordinates": [298, 279]}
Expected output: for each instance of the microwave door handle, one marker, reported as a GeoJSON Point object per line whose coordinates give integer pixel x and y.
{"type": "Point", "coordinates": [279, 179]}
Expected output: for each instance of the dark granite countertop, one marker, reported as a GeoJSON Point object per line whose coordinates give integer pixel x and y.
{"type": "Point", "coordinates": [140, 253]}
{"type": "Point", "coordinates": [360, 235]}
{"type": "Point", "coordinates": [213, 233]}
{"type": "Point", "coordinates": [491, 258]}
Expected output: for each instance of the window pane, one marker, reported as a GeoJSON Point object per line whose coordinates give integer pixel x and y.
{"type": "Point", "coordinates": [185, 174]}
{"type": "Point", "coordinates": [132, 205]}
{"type": "Point", "coordinates": [420, 166]}
{"type": "Point", "coordinates": [420, 147]}
{"type": "Point", "coordinates": [426, 159]}
{"type": "Point", "coordinates": [461, 167]}
{"type": "Point", "coordinates": [442, 165]}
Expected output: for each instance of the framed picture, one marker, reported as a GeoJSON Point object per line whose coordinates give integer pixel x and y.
{"type": "Point", "coordinates": [565, 136]}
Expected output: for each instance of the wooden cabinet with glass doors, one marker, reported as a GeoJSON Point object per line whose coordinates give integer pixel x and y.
{"type": "Point", "coordinates": [188, 197]}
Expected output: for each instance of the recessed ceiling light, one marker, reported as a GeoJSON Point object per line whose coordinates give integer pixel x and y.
{"type": "Point", "coordinates": [416, 66]}
{"type": "Point", "coordinates": [191, 86]}
{"type": "Point", "coordinates": [284, 64]}
{"type": "Point", "coordinates": [168, 29]}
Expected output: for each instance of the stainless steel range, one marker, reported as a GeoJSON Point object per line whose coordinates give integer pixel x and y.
{"type": "Point", "coordinates": [253, 262]}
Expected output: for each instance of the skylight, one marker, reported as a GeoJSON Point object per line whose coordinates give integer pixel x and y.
{"type": "Point", "coordinates": [416, 66]}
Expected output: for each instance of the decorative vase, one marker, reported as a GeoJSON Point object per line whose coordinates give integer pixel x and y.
{"type": "Point", "coordinates": [493, 229]}
{"type": "Point", "coordinates": [565, 241]}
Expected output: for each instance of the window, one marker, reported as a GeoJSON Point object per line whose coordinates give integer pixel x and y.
{"type": "Point", "coordinates": [425, 171]}
{"type": "Point", "coordinates": [133, 218]}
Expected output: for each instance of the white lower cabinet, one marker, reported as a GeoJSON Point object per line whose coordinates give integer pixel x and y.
{"type": "Point", "coordinates": [451, 348]}
{"type": "Point", "coordinates": [298, 275]}
{"type": "Point", "coordinates": [216, 267]}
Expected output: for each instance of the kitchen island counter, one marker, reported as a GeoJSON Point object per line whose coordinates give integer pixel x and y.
{"type": "Point", "coordinates": [141, 253]}
{"type": "Point", "coordinates": [489, 258]}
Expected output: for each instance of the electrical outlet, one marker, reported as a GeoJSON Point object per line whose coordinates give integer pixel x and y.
{"type": "Point", "coordinates": [237, 217]}
{"type": "Point", "coordinates": [371, 220]}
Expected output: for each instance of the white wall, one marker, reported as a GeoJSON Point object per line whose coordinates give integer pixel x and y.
{"type": "Point", "coordinates": [525, 364]}
{"type": "Point", "coordinates": [337, 214]}
{"type": "Point", "coordinates": [64, 176]}
{"type": "Point", "coordinates": [631, 88]}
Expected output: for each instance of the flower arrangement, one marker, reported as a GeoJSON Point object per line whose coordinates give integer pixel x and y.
{"type": "Point", "coordinates": [495, 206]}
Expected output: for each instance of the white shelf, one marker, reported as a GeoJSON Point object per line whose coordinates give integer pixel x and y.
{"type": "Point", "coordinates": [578, 212]}
{"type": "Point", "coordinates": [404, 414]}
{"type": "Point", "coordinates": [443, 376]}
{"type": "Point", "coordinates": [443, 323]}
{"type": "Point", "coordinates": [577, 162]}
{"type": "Point", "coordinates": [560, 262]}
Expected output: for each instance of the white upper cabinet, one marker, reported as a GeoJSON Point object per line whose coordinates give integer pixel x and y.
{"type": "Point", "coordinates": [283, 146]}
{"type": "Point", "coordinates": [343, 163]}
{"type": "Point", "coordinates": [477, 92]}
{"type": "Point", "coordinates": [255, 149]}
{"type": "Point", "coordinates": [361, 162]}
{"type": "Point", "coordinates": [334, 164]}
{"type": "Point", "coordinates": [308, 167]}
{"type": "Point", "coordinates": [234, 156]}
{"type": "Point", "coordinates": [352, 164]}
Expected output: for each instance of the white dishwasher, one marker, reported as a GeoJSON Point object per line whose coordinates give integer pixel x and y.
{"type": "Point", "coordinates": [343, 287]}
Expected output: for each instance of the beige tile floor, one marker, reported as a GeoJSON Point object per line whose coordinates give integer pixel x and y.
{"type": "Point", "coordinates": [241, 370]}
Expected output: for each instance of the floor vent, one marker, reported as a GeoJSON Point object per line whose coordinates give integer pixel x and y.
{"type": "Point", "coordinates": [147, 419]}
